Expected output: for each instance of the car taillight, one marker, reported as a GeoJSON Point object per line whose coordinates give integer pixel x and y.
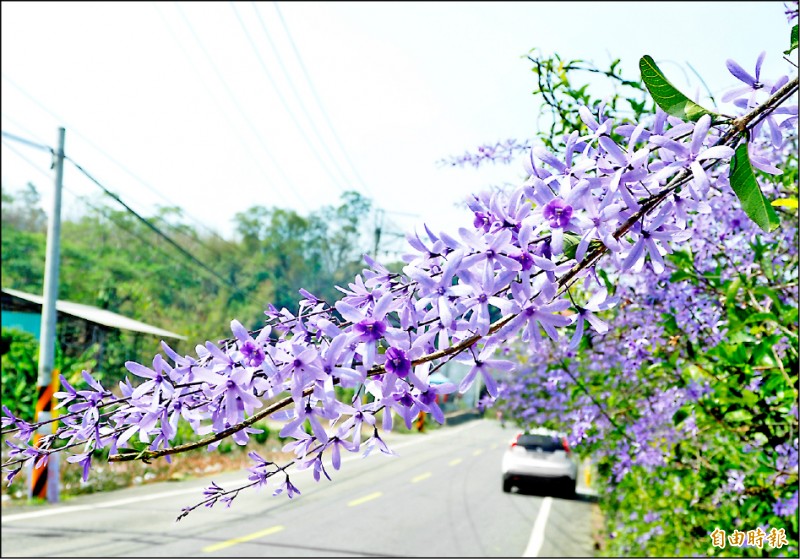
{"type": "Point", "coordinates": [516, 440]}
{"type": "Point", "coordinates": [566, 444]}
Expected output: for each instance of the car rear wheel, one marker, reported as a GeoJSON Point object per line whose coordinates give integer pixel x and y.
{"type": "Point", "coordinates": [506, 485]}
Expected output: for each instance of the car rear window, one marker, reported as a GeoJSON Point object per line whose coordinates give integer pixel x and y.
{"type": "Point", "coordinates": [543, 442]}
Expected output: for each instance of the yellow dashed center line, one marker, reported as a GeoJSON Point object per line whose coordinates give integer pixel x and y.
{"type": "Point", "coordinates": [234, 541]}
{"type": "Point", "coordinates": [494, 446]}
{"type": "Point", "coordinates": [455, 462]}
{"type": "Point", "coordinates": [477, 452]}
{"type": "Point", "coordinates": [420, 477]}
{"type": "Point", "coordinates": [363, 500]}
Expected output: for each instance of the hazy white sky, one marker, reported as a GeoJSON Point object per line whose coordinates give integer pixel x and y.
{"type": "Point", "coordinates": [177, 95]}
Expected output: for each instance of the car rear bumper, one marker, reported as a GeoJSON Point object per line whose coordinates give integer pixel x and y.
{"type": "Point", "coordinates": [537, 478]}
{"type": "Point", "coordinates": [540, 469]}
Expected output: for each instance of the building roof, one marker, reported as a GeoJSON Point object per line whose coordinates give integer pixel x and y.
{"type": "Point", "coordinates": [96, 315]}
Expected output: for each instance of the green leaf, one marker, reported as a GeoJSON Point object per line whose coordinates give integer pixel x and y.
{"type": "Point", "coordinates": [760, 317]}
{"type": "Point", "coordinates": [745, 185]}
{"type": "Point", "coordinates": [738, 416]}
{"type": "Point", "coordinates": [571, 242]}
{"type": "Point", "coordinates": [679, 416]}
{"type": "Point", "coordinates": [792, 40]}
{"type": "Point", "coordinates": [667, 95]}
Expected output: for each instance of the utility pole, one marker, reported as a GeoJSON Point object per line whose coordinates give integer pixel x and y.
{"type": "Point", "coordinates": [47, 342]}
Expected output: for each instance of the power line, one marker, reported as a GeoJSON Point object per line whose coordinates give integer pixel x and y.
{"type": "Point", "coordinates": [222, 111]}
{"type": "Point", "coordinates": [299, 97]}
{"type": "Point", "coordinates": [108, 156]}
{"type": "Point", "coordinates": [293, 188]}
{"type": "Point", "coordinates": [128, 230]}
{"type": "Point", "coordinates": [50, 149]}
{"type": "Point", "coordinates": [286, 106]}
{"type": "Point", "coordinates": [317, 98]}
{"type": "Point", "coordinates": [389, 220]}
{"type": "Point", "coordinates": [151, 226]}
{"type": "Point", "coordinates": [27, 142]}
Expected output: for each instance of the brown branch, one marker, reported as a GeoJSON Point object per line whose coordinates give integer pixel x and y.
{"type": "Point", "coordinates": [739, 127]}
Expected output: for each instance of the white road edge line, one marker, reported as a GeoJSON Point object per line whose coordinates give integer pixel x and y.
{"type": "Point", "coordinates": [537, 535]}
{"type": "Point", "coordinates": [131, 500]}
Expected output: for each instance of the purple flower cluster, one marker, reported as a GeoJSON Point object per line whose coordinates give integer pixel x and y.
{"type": "Point", "coordinates": [520, 261]}
{"type": "Point", "coordinates": [499, 152]}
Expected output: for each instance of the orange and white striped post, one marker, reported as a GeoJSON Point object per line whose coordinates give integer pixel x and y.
{"type": "Point", "coordinates": [45, 479]}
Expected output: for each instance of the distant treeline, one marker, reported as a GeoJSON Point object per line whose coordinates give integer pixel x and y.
{"type": "Point", "coordinates": [110, 259]}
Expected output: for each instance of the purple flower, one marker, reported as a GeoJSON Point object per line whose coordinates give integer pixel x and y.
{"type": "Point", "coordinates": [259, 472]}
{"type": "Point", "coordinates": [598, 302]}
{"type": "Point", "coordinates": [370, 329]}
{"type": "Point", "coordinates": [558, 213]}
{"type": "Point", "coordinates": [735, 482]}
{"type": "Point", "coordinates": [494, 248]}
{"type": "Point", "coordinates": [212, 490]}
{"type": "Point", "coordinates": [483, 364]}
{"type": "Point", "coordinates": [598, 223]}
{"type": "Point", "coordinates": [85, 460]}
{"type": "Point", "coordinates": [785, 507]}
{"type": "Point", "coordinates": [287, 486]}
{"type": "Point", "coordinates": [251, 351]}
{"type": "Point", "coordinates": [690, 156]}
{"type": "Point", "coordinates": [359, 414]}
{"type": "Point", "coordinates": [335, 444]}
{"type": "Point", "coordinates": [375, 441]}
{"type": "Point", "coordinates": [428, 399]}
{"type": "Point", "coordinates": [307, 409]}
{"type": "Point", "coordinates": [158, 381]}
{"type": "Point", "coordinates": [65, 397]}
{"type": "Point", "coordinates": [368, 324]}
{"type": "Point", "coordinates": [336, 361]}
{"type": "Point", "coordinates": [397, 362]}
{"type": "Point", "coordinates": [539, 312]}
{"type": "Point", "coordinates": [753, 84]}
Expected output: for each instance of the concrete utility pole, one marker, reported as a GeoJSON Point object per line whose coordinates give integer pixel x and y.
{"type": "Point", "coordinates": [47, 341]}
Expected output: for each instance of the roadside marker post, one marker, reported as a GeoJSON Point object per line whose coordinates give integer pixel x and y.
{"type": "Point", "coordinates": [44, 479]}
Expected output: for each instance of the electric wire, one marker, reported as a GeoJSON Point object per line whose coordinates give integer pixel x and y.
{"type": "Point", "coordinates": [217, 103]}
{"type": "Point", "coordinates": [109, 157]}
{"type": "Point", "coordinates": [317, 98]}
{"type": "Point", "coordinates": [98, 209]}
{"type": "Point", "coordinates": [45, 147]}
{"type": "Point", "coordinates": [286, 106]}
{"type": "Point", "coordinates": [151, 226]}
{"type": "Point", "coordinates": [27, 142]}
{"type": "Point", "coordinates": [292, 187]}
{"type": "Point", "coordinates": [299, 99]}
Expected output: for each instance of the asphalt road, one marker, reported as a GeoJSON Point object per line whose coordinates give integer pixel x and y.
{"type": "Point", "coordinates": [441, 498]}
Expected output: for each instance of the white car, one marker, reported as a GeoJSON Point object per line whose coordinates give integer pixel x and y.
{"type": "Point", "coordinates": [541, 458]}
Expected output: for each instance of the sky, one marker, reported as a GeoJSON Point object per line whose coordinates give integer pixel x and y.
{"type": "Point", "coordinates": [216, 107]}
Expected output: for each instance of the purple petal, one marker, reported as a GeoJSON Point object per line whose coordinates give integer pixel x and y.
{"type": "Point", "coordinates": [491, 384]}
{"type": "Point", "coordinates": [700, 132]}
{"type": "Point", "coordinates": [739, 73]}
{"type": "Point", "coordinates": [349, 312]}
{"type": "Point", "coordinates": [758, 64]}
{"type": "Point", "coordinates": [576, 338]}
{"type": "Point", "coordinates": [467, 381]}
{"type": "Point", "coordinates": [139, 370]}
{"type": "Point", "coordinates": [549, 158]}
{"type": "Point", "coordinates": [239, 331]}
{"type": "Point", "coordinates": [717, 152]}
{"type": "Point", "coordinates": [613, 150]}
{"type": "Point", "coordinates": [634, 255]}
